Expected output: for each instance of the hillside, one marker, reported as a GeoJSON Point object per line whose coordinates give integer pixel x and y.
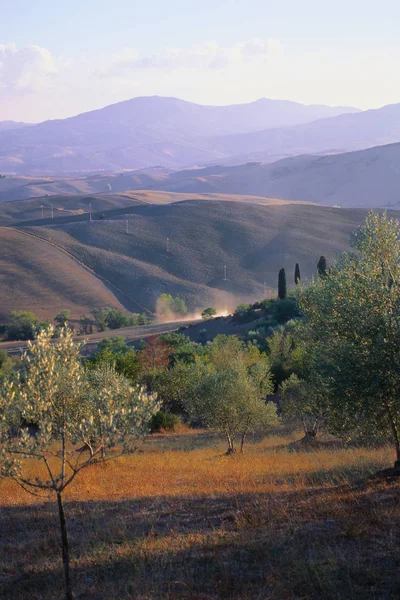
{"type": "Point", "coordinates": [35, 275]}
{"type": "Point", "coordinates": [253, 241]}
{"type": "Point", "coordinates": [365, 178]}
{"type": "Point", "coordinates": [68, 208]}
{"type": "Point", "coordinates": [143, 132]}
{"type": "Point", "coordinates": [324, 136]}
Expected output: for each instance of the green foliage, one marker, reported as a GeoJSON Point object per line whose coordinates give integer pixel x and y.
{"type": "Point", "coordinates": [62, 318]}
{"type": "Point", "coordinates": [322, 267]}
{"type": "Point", "coordinates": [170, 307]}
{"type": "Point", "coordinates": [297, 274]}
{"type": "Point", "coordinates": [282, 287]}
{"type": "Point", "coordinates": [231, 390]}
{"type": "Point", "coordinates": [69, 406]}
{"type": "Point", "coordinates": [286, 355]}
{"type": "Point", "coordinates": [23, 325]}
{"type": "Point", "coordinates": [208, 313]}
{"type": "Point", "coordinates": [115, 352]}
{"type": "Point", "coordinates": [6, 365]}
{"type": "Point", "coordinates": [111, 318]}
{"type": "Point", "coordinates": [163, 421]}
{"type": "Point", "coordinates": [116, 344]}
{"type": "Point", "coordinates": [352, 316]}
{"type": "Point", "coordinates": [302, 399]}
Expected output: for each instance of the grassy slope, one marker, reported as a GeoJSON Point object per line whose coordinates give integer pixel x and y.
{"type": "Point", "coordinates": [253, 241]}
{"type": "Point", "coordinates": [76, 207]}
{"type": "Point", "coordinates": [36, 276]}
{"type": "Point", "coordinates": [182, 521]}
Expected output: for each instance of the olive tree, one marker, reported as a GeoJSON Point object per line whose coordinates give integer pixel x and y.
{"type": "Point", "coordinates": [231, 392]}
{"type": "Point", "coordinates": [66, 407]}
{"type": "Point", "coordinates": [302, 399]}
{"type": "Point", "coordinates": [353, 316]}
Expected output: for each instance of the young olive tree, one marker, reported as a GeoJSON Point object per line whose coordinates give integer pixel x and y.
{"type": "Point", "coordinates": [302, 400]}
{"type": "Point", "coordinates": [230, 394]}
{"type": "Point", "coordinates": [68, 407]}
{"type": "Point", "coordinates": [353, 316]}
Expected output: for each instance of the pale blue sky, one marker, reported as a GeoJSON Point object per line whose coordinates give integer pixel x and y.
{"type": "Point", "coordinates": [60, 58]}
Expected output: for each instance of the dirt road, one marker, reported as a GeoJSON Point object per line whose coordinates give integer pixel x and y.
{"type": "Point", "coordinates": [129, 333]}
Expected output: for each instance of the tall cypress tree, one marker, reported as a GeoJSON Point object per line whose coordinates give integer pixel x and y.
{"type": "Point", "coordinates": [297, 274]}
{"type": "Point", "coordinates": [282, 289]}
{"type": "Point", "coordinates": [322, 267]}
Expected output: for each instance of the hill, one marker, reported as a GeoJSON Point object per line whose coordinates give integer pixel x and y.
{"type": "Point", "coordinates": [324, 136]}
{"type": "Point", "coordinates": [7, 125]}
{"type": "Point", "coordinates": [143, 132]}
{"type": "Point", "coordinates": [253, 241]}
{"type": "Point", "coordinates": [37, 276]}
{"type": "Point", "coordinates": [69, 208]}
{"type": "Point", "coordinates": [366, 178]}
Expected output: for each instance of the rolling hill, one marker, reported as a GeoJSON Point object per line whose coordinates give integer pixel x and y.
{"type": "Point", "coordinates": [37, 276]}
{"type": "Point", "coordinates": [333, 135]}
{"type": "Point", "coordinates": [143, 132]}
{"type": "Point", "coordinates": [365, 178]}
{"type": "Point", "coordinates": [253, 241]}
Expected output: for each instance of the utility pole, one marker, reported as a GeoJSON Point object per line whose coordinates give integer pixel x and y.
{"type": "Point", "coordinates": [225, 273]}
{"type": "Point", "coordinates": [52, 210]}
{"type": "Point", "coordinates": [90, 212]}
{"type": "Point", "coordinates": [265, 289]}
{"type": "Point", "coordinates": [167, 244]}
{"type": "Point", "coordinates": [127, 226]}
{"type": "Point", "coordinates": [42, 207]}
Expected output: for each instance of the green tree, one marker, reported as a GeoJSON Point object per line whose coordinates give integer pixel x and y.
{"type": "Point", "coordinates": [231, 391]}
{"type": "Point", "coordinates": [208, 313]}
{"type": "Point", "coordinates": [170, 307]}
{"type": "Point", "coordinates": [282, 288]}
{"type": "Point", "coordinates": [322, 266]}
{"type": "Point", "coordinates": [297, 274]}
{"type": "Point", "coordinates": [98, 409]}
{"type": "Point", "coordinates": [352, 315]}
{"type": "Point", "coordinates": [303, 400]}
{"type": "Point", "coordinates": [62, 318]}
{"type": "Point", "coordinates": [23, 325]}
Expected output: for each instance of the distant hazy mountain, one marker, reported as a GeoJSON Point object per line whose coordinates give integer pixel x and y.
{"type": "Point", "coordinates": [334, 135]}
{"type": "Point", "coordinates": [7, 125]}
{"type": "Point", "coordinates": [365, 178]}
{"type": "Point", "coordinates": [144, 132]}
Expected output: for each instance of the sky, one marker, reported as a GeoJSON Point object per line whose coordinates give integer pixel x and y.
{"type": "Point", "coordinates": [58, 59]}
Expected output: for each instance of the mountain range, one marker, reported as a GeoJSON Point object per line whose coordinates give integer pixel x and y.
{"type": "Point", "coordinates": [365, 178]}
{"type": "Point", "coordinates": [148, 131]}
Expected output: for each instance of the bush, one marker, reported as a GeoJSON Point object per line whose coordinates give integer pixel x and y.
{"type": "Point", "coordinates": [163, 421]}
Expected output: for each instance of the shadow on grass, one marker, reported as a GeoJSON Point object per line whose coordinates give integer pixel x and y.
{"type": "Point", "coordinates": [336, 543]}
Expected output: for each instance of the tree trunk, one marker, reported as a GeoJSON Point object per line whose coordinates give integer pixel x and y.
{"type": "Point", "coordinates": [231, 447]}
{"type": "Point", "coordinates": [396, 437]}
{"type": "Point", "coordinates": [65, 548]}
{"type": "Point", "coordinates": [242, 442]}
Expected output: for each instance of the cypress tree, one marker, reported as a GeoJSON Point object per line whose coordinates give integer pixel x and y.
{"type": "Point", "coordinates": [297, 274]}
{"type": "Point", "coordinates": [322, 267]}
{"type": "Point", "coordinates": [282, 289]}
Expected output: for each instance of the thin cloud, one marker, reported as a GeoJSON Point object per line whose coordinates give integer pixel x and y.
{"type": "Point", "coordinates": [26, 69]}
{"type": "Point", "coordinates": [207, 55]}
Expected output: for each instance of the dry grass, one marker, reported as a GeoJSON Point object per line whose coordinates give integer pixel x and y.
{"type": "Point", "coordinates": [181, 520]}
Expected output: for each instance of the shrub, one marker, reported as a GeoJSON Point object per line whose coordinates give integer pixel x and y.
{"type": "Point", "coordinates": [163, 421]}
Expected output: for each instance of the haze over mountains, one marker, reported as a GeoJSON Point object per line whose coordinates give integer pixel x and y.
{"type": "Point", "coordinates": [367, 178]}
{"type": "Point", "coordinates": [148, 131]}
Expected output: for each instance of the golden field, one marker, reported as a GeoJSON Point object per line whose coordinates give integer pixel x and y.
{"type": "Point", "coordinates": [179, 519]}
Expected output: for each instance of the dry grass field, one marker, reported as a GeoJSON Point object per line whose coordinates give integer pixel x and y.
{"type": "Point", "coordinates": [179, 519]}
